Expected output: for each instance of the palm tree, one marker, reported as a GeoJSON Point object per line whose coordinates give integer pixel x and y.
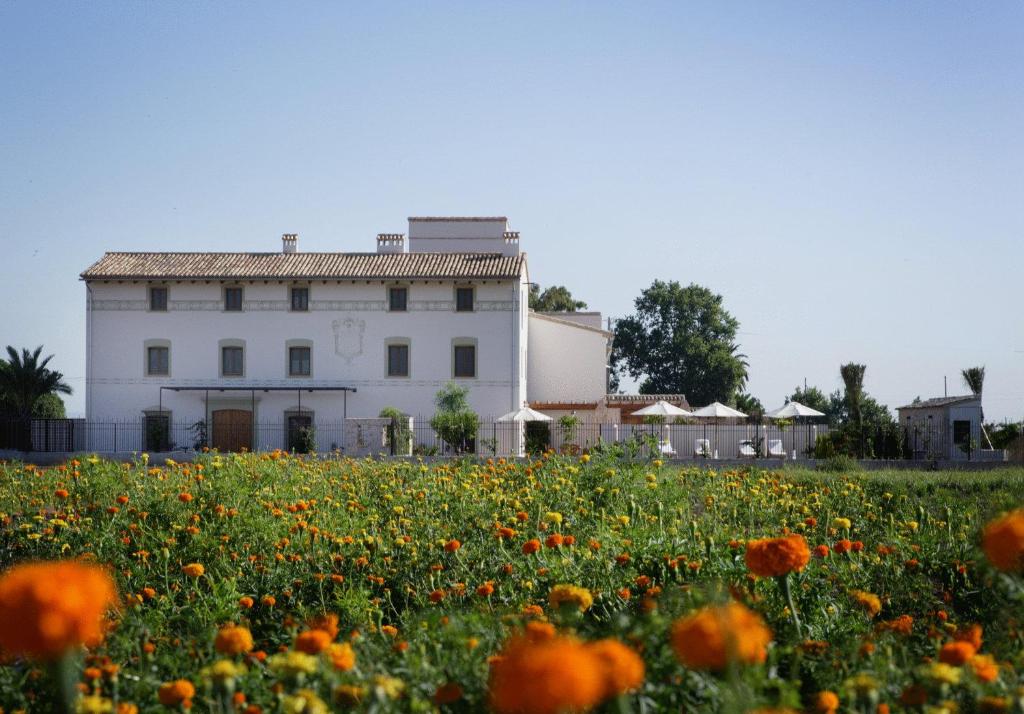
{"type": "Point", "coordinates": [24, 378]}
{"type": "Point", "coordinates": [853, 379]}
{"type": "Point", "coordinates": [974, 378]}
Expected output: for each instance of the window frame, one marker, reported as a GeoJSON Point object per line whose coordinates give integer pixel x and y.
{"type": "Point", "coordinates": [148, 345]}
{"type": "Point", "coordinates": [292, 361]}
{"type": "Point", "coordinates": [167, 298]}
{"type": "Point", "coordinates": [288, 346]}
{"type": "Point", "coordinates": [472, 298]}
{"type": "Point", "coordinates": [291, 298]}
{"type": "Point", "coordinates": [241, 298]}
{"type": "Point", "coordinates": [463, 342]}
{"type": "Point", "coordinates": [397, 342]}
{"type": "Point", "coordinates": [226, 344]}
{"type": "Point", "coordinates": [405, 302]}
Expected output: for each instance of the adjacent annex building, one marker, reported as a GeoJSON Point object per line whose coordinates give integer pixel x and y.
{"type": "Point", "coordinates": [233, 340]}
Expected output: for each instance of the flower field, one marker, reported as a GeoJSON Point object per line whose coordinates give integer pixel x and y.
{"type": "Point", "coordinates": [268, 583]}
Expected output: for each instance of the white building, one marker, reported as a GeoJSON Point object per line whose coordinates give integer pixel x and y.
{"type": "Point", "coordinates": [235, 340]}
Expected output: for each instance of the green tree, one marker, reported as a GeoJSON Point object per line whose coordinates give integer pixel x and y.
{"type": "Point", "coordinates": [556, 298]}
{"type": "Point", "coordinates": [853, 381]}
{"type": "Point", "coordinates": [24, 378]}
{"type": "Point", "coordinates": [680, 341]}
{"type": "Point", "coordinates": [455, 422]}
{"type": "Point", "coordinates": [750, 405]}
{"type": "Point", "coordinates": [974, 379]}
{"type": "Point", "coordinates": [49, 406]}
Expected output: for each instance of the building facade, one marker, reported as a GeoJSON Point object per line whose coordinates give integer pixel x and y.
{"type": "Point", "coordinates": [231, 340]}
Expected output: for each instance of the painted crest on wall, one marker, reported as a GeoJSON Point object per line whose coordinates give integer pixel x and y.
{"type": "Point", "coordinates": [348, 338]}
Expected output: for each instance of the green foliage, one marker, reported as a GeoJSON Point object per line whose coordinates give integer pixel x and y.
{"type": "Point", "coordinates": [399, 432]}
{"type": "Point", "coordinates": [839, 464]}
{"type": "Point", "coordinates": [24, 378]}
{"type": "Point", "coordinates": [49, 406]}
{"type": "Point", "coordinates": [554, 299]}
{"type": "Point", "coordinates": [1002, 435]}
{"type": "Point", "coordinates": [974, 379]}
{"type": "Point", "coordinates": [538, 437]}
{"type": "Point", "coordinates": [680, 341]}
{"type": "Point", "coordinates": [304, 440]}
{"type": "Point", "coordinates": [750, 405]}
{"type": "Point", "coordinates": [455, 423]}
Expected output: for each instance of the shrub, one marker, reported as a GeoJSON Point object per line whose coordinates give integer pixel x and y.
{"type": "Point", "coordinates": [840, 463]}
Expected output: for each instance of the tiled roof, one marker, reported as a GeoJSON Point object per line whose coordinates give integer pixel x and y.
{"type": "Point", "coordinates": [250, 266]}
{"type": "Point", "coordinates": [939, 402]}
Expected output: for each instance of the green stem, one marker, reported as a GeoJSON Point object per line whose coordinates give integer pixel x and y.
{"type": "Point", "coordinates": [787, 591]}
{"type": "Point", "coordinates": [65, 675]}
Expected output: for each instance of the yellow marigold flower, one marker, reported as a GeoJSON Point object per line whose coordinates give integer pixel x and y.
{"type": "Point", "coordinates": [841, 523]}
{"type": "Point", "coordinates": [233, 640]}
{"type": "Point", "coordinates": [772, 557]}
{"type": "Point", "coordinates": [863, 684]}
{"type": "Point", "coordinates": [714, 636]}
{"type": "Point", "coordinates": [623, 667]}
{"type": "Point", "coordinates": [292, 664]}
{"type": "Point", "coordinates": [194, 570]}
{"type": "Point", "coordinates": [1003, 541]}
{"type": "Point", "coordinates": [304, 701]}
{"type": "Point", "coordinates": [176, 693]}
{"type": "Point", "coordinates": [552, 676]}
{"type": "Point", "coordinates": [553, 517]}
{"type": "Point", "coordinates": [388, 687]}
{"type": "Point", "coordinates": [941, 673]}
{"type": "Point", "coordinates": [341, 656]}
{"type": "Point", "coordinates": [223, 671]}
{"type": "Point", "coordinates": [869, 601]}
{"type": "Point", "coordinates": [572, 595]}
{"type": "Point", "coordinates": [48, 608]}
{"type": "Point", "coordinates": [94, 704]}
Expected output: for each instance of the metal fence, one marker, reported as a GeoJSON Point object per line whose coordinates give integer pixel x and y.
{"type": "Point", "coordinates": [489, 438]}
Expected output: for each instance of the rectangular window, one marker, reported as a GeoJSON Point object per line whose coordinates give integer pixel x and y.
{"type": "Point", "coordinates": [961, 432]}
{"type": "Point", "coordinates": [465, 360]}
{"type": "Point", "coordinates": [464, 299]}
{"type": "Point", "coordinates": [298, 362]}
{"type": "Point", "coordinates": [296, 425]}
{"type": "Point", "coordinates": [158, 432]}
{"type": "Point", "coordinates": [158, 299]}
{"type": "Point", "coordinates": [300, 299]}
{"type": "Point", "coordinates": [231, 364]}
{"type": "Point", "coordinates": [398, 360]}
{"type": "Point", "coordinates": [158, 361]}
{"type": "Point", "coordinates": [233, 299]}
{"type": "Point", "coordinates": [398, 299]}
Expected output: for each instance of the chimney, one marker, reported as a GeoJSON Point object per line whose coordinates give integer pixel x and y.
{"type": "Point", "coordinates": [390, 242]}
{"type": "Point", "coordinates": [290, 243]}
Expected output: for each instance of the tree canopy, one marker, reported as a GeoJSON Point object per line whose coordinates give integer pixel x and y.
{"type": "Point", "coordinates": [681, 340]}
{"type": "Point", "coordinates": [555, 298]}
{"type": "Point", "coordinates": [25, 378]}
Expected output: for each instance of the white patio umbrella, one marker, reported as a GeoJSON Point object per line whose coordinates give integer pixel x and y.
{"type": "Point", "coordinates": [716, 411]}
{"type": "Point", "coordinates": [661, 408]}
{"type": "Point", "coordinates": [521, 417]}
{"type": "Point", "coordinates": [793, 410]}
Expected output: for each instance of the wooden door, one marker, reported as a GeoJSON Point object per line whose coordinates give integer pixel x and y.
{"type": "Point", "coordinates": [232, 430]}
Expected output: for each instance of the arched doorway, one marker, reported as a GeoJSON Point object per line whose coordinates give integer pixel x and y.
{"type": "Point", "coordinates": [232, 430]}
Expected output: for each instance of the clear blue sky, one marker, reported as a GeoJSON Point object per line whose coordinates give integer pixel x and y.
{"type": "Point", "coordinates": [850, 176]}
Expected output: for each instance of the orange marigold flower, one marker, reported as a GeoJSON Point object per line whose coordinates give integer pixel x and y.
{"type": "Point", "coordinates": [538, 631]}
{"type": "Point", "coordinates": [842, 546]}
{"type": "Point", "coordinates": [185, 497]}
{"type": "Point", "coordinates": [341, 656]}
{"type": "Point", "coordinates": [233, 640]}
{"type": "Point", "coordinates": [956, 653]}
{"type": "Point", "coordinates": [971, 633]}
{"type": "Point", "coordinates": [389, 630]}
{"type": "Point", "coordinates": [48, 608]}
{"type": "Point", "coordinates": [328, 622]}
{"type": "Point", "coordinates": [623, 667]}
{"type": "Point", "coordinates": [713, 636]}
{"type": "Point", "coordinates": [485, 590]}
{"type": "Point", "coordinates": [553, 676]}
{"type": "Point", "coordinates": [436, 596]}
{"type": "Point", "coordinates": [268, 600]}
{"type": "Point", "coordinates": [1003, 541]}
{"type": "Point", "coordinates": [821, 551]}
{"type": "Point", "coordinates": [194, 570]}
{"type": "Point", "coordinates": [984, 667]}
{"type": "Point", "coordinates": [826, 702]}
{"type": "Point", "coordinates": [554, 540]}
{"type": "Point", "coordinates": [312, 641]}
{"type": "Point", "coordinates": [531, 546]}
{"type": "Point", "coordinates": [61, 493]}
{"type": "Point", "coordinates": [447, 693]}
{"type": "Point", "coordinates": [870, 602]}
{"type": "Point", "coordinates": [246, 602]}
{"type": "Point", "coordinates": [452, 545]}
{"type": "Point", "coordinates": [176, 693]}
{"type": "Point", "coordinates": [772, 557]}
{"type": "Point", "coordinates": [533, 611]}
